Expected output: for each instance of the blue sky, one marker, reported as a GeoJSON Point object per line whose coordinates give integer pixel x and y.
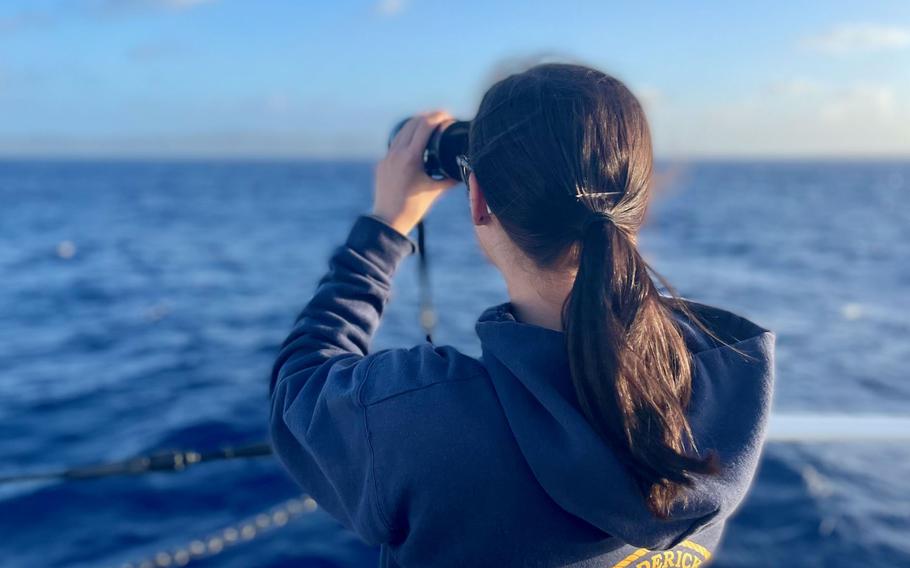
{"type": "Point", "coordinates": [327, 79]}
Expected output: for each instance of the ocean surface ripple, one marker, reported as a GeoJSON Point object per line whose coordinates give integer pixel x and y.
{"type": "Point", "coordinates": [142, 305]}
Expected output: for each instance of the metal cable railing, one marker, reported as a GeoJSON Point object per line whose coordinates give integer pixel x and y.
{"type": "Point", "coordinates": [229, 536]}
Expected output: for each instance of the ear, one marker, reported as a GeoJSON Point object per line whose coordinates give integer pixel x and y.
{"type": "Point", "coordinates": [480, 211]}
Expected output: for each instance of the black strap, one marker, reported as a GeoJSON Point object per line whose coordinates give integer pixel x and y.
{"type": "Point", "coordinates": [427, 314]}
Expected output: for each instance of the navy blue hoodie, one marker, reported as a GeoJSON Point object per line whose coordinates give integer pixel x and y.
{"type": "Point", "coordinates": [448, 460]}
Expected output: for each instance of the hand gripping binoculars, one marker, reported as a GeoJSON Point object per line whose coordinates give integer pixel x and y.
{"type": "Point", "coordinates": [443, 147]}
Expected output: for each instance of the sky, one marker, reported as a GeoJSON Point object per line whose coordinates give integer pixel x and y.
{"type": "Point", "coordinates": [309, 79]}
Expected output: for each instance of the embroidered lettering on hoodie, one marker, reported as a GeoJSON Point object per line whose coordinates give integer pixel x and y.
{"type": "Point", "coordinates": [679, 557]}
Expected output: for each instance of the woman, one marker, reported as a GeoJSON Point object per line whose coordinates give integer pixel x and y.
{"type": "Point", "coordinates": [604, 424]}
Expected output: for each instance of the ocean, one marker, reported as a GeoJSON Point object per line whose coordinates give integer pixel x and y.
{"type": "Point", "coordinates": [142, 304]}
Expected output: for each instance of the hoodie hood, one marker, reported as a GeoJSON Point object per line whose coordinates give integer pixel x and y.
{"type": "Point", "coordinates": [731, 397]}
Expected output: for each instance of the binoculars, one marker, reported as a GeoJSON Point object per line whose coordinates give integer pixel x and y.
{"type": "Point", "coordinates": [443, 147]}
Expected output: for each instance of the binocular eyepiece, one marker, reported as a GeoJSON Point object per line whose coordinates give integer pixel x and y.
{"type": "Point", "coordinates": [443, 147]}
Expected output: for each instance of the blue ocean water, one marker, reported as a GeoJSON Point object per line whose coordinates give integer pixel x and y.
{"type": "Point", "coordinates": [141, 306]}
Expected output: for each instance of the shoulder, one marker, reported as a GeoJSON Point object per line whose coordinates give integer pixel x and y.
{"type": "Point", "coordinates": [709, 329]}
{"type": "Point", "coordinates": [395, 372]}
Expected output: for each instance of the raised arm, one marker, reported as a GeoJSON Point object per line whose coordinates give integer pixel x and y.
{"type": "Point", "coordinates": [318, 422]}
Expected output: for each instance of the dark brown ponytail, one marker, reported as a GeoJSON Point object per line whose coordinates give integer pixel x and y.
{"type": "Point", "coordinates": [563, 153]}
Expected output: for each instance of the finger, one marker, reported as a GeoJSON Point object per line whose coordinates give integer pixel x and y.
{"type": "Point", "coordinates": [446, 121]}
{"type": "Point", "coordinates": [424, 130]}
{"type": "Point", "coordinates": [403, 138]}
{"type": "Point", "coordinates": [440, 117]}
{"type": "Point", "coordinates": [402, 132]}
{"type": "Point", "coordinates": [421, 136]}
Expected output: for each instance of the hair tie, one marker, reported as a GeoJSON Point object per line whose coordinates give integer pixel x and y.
{"type": "Point", "coordinates": [581, 194]}
{"type": "Point", "coordinates": [597, 217]}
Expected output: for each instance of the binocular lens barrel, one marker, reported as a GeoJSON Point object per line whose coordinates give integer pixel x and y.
{"type": "Point", "coordinates": [442, 148]}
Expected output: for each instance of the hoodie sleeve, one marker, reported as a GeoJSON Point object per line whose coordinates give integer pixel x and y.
{"type": "Point", "coordinates": [318, 421]}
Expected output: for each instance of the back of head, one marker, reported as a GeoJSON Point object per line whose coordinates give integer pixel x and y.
{"type": "Point", "coordinates": [563, 154]}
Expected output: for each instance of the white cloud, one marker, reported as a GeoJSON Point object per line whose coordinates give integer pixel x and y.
{"type": "Point", "coordinates": [390, 7]}
{"type": "Point", "coordinates": [836, 103]}
{"type": "Point", "coordinates": [858, 38]}
{"type": "Point", "coordinates": [798, 117]}
{"type": "Point", "coordinates": [795, 87]}
{"type": "Point", "coordinates": [859, 103]}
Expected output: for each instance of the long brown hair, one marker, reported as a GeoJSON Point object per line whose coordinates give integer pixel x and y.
{"type": "Point", "coordinates": [563, 154]}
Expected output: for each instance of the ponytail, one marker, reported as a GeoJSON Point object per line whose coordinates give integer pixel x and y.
{"type": "Point", "coordinates": [539, 137]}
{"type": "Point", "coordinates": [630, 365]}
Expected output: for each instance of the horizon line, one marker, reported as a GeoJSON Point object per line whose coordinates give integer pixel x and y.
{"type": "Point", "coordinates": [289, 157]}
